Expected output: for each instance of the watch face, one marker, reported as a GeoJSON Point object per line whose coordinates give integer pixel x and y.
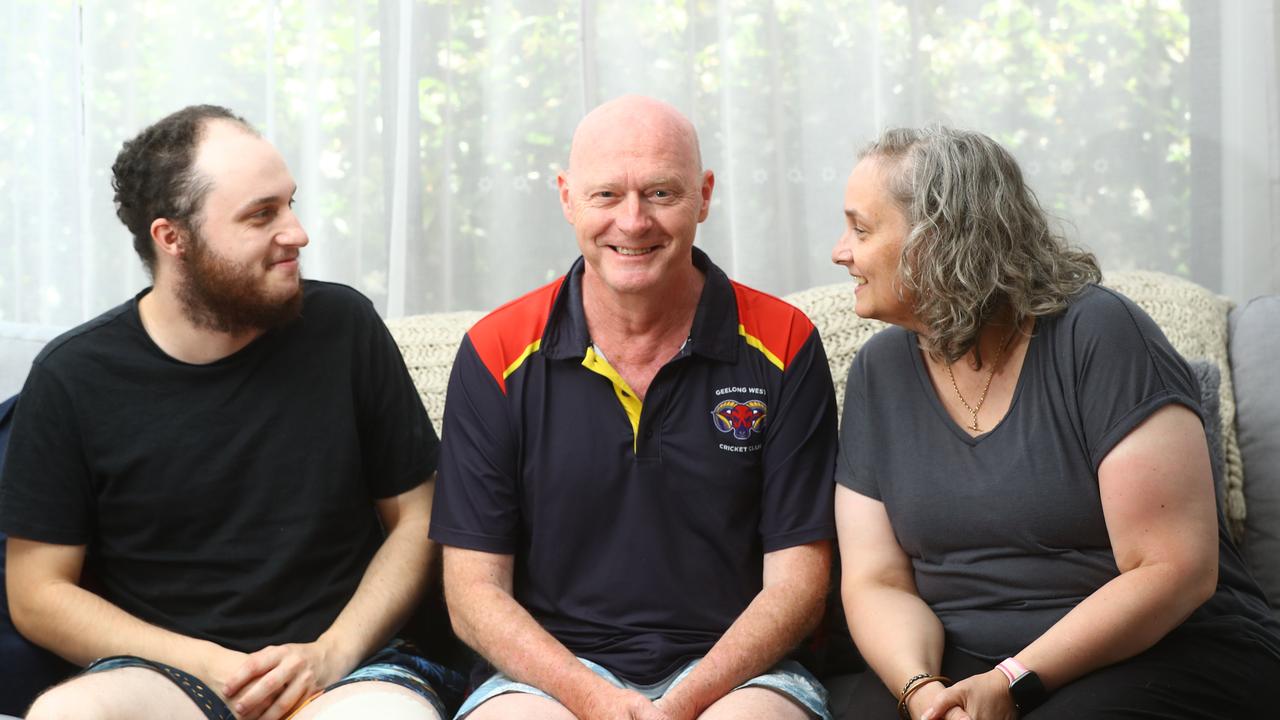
{"type": "Point", "coordinates": [1028, 692]}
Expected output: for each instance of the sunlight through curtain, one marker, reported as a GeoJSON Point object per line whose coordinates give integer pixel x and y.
{"type": "Point", "coordinates": [425, 135]}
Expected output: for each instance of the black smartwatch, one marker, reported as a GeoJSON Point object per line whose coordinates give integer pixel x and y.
{"type": "Point", "coordinates": [1025, 688]}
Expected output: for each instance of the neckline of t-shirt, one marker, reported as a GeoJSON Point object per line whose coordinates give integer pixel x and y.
{"type": "Point", "coordinates": [135, 319]}
{"type": "Point", "coordinates": [926, 386]}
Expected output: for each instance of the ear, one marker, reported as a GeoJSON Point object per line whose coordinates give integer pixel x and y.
{"type": "Point", "coordinates": [708, 184]}
{"type": "Point", "coordinates": [566, 200]}
{"type": "Point", "coordinates": [167, 238]}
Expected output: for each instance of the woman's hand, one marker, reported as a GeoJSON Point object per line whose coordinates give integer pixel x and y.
{"type": "Point", "coordinates": [924, 698]}
{"type": "Point", "coordinates": [981, 697]}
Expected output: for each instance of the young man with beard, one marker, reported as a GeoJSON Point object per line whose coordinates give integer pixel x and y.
{"type": "Point", "coordinates": [218, 493]}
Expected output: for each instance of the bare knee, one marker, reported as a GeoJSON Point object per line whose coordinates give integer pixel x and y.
{"type": "Point", "coordinates": [384, 700]}
{"type": "Point", "coordinates": [755, 703]}
{"type": "Point", "coordinates": [124, 694]}
{"type": "Point", "coordinates": [65, 702]}
{"type": "Point", "coordinates": [520, 706]}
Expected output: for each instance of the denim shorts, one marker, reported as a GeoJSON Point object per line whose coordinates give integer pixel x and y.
{"type": "Point", "coordinates": [399, 663]}
{"type": "Point", "coordinates": [787, 677]}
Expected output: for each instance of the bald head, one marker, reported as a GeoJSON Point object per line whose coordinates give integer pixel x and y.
{"type": "Point", "coordinates": [634, 193]}
{"type": "Point", "coordinates": [633, 124]}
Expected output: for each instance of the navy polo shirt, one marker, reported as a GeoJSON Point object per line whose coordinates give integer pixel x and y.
{"type": "Point", "coordinates": [638, 530]}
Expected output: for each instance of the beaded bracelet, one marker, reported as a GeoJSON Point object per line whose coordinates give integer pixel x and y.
{"type": "Point", "coordinates": [912, 686]}
{"type": "Point", "coordinates": [912, 681]}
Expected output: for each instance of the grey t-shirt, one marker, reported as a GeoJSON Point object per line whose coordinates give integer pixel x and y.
{"type": "Point", "coordinates": [1005, 531]}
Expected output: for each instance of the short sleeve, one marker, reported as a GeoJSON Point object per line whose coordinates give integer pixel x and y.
{"type": "Point", "coordinates": [476, 503]}
{"type": "Point", "coordinates": [1123, 368]}
{"type": "Point", "coordinates": [399, 447]}
{"type": "Point", "coordinates": [852, 458]}
{"type": "Point", "coordinates": [799, 454]}
{"type": "Point", "coordinates": [46, 488]}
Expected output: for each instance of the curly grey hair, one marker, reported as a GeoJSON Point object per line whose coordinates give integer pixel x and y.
{"type": "Point", "coordinates": [979, 240]}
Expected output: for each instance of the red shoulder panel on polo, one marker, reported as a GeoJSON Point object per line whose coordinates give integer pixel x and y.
{"type": "Point", "coordinates": [508, 335]}
{"type": "Point", "coordinates": [771, 325]}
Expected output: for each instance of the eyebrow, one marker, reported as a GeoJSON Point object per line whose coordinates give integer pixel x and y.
{"type": "Point", "coordinates": [264, 200]}
{"type": "Point", "coordinates": [672, 181]}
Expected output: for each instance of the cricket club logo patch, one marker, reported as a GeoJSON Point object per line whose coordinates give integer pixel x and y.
{"type": "Point", "coordinates": [741, 419]}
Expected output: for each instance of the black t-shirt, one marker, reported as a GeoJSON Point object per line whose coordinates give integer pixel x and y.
{"type": "Point", "coordinates": [638, 529]}
{"type": "Point", "coordinates": [231, 501]}
{"type": "Point", "coordinates": [1005, 530]}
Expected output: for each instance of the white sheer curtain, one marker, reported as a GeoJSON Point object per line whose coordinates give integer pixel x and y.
{"type": "Point", "coordinates": [425, 134]}
{"type": "Point", "coordinates": [1250, 149]}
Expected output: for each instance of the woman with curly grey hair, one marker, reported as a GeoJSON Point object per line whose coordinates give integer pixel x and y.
{"type": "Point", "coordinates": [1025, 502]}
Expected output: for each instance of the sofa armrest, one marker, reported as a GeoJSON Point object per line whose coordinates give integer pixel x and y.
{"type": "Point", "coordinates": [1255, 345]}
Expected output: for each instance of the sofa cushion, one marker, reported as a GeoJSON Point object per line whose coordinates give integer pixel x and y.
{"type": "Point", "coordinates": [1194, 319]}
{"type": "Point", "coordinates": [1255, 345]}
{"type": "Point", "coordinates": [429, 344]}
{"type": "Point", "coordinates": [843, 333]}
{"type": "Point", "coordinates": [1210, 381]}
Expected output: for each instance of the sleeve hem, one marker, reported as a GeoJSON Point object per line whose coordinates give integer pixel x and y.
{"type": "Point", "coordinates": [472, 541]}
{"type": "Point", "coordinates": [1136, 417]}
{"type": "Point", "coordinates": [52, 536]}
{"type": "Point", "coordinates": [861, 488]}
{"type": "Point", "coordinates": [409, 480]}
{"type": "Point", "coordinates": [782, 541]}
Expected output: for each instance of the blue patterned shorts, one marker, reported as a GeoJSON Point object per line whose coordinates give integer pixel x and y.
{"type": "Point", "coordinates": [399, 663]}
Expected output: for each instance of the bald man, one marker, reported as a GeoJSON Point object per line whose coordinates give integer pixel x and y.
{"type": "Point", "coordinates": [635, 485]}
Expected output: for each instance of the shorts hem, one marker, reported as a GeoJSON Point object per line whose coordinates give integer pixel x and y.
{"type": "Point", "coordinates": [788, 678]}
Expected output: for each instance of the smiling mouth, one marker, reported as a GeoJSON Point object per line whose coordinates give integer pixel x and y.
{"type": "Point", "coordinates": [859, 280]}
{"type": "Point", "coordinates": [631, 252]}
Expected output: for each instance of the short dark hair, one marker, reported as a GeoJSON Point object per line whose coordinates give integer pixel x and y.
{"type": "Point", "coordinates": [154, 175]}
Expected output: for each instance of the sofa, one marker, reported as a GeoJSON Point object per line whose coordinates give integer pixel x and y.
{"type": "Point", "coordinates": [1239, 345]}
{"type": "Point", "coordinates": [1231, 349]}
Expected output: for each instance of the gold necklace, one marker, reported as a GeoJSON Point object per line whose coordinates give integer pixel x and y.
{"type": "Point", "coordinates": [973, 410]}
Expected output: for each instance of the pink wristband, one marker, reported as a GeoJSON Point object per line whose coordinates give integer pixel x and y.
{"type": "Point", "coordinates": [1012, 669]}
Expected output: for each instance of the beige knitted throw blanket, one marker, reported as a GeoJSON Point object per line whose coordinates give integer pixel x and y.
{"type": "Point", "coordinates": [1194, 319]}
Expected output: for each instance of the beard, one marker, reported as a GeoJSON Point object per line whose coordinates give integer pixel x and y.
{"type": "Point", "coordinates": [220, 295]}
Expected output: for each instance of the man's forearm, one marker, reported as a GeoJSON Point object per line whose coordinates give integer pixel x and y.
{"type": "Point", "coordinates": [486, 616]}
{"type": "Point", "coordinates": [777, 619]}
{"type": "Point", "coordinates": [387, 595]}
{"type": "Point", "coordinates": [81, 627]}
{"type": "Point", "coordinates": [505, 634]}
{"type": "Point", "coordinates": [392, 584]}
